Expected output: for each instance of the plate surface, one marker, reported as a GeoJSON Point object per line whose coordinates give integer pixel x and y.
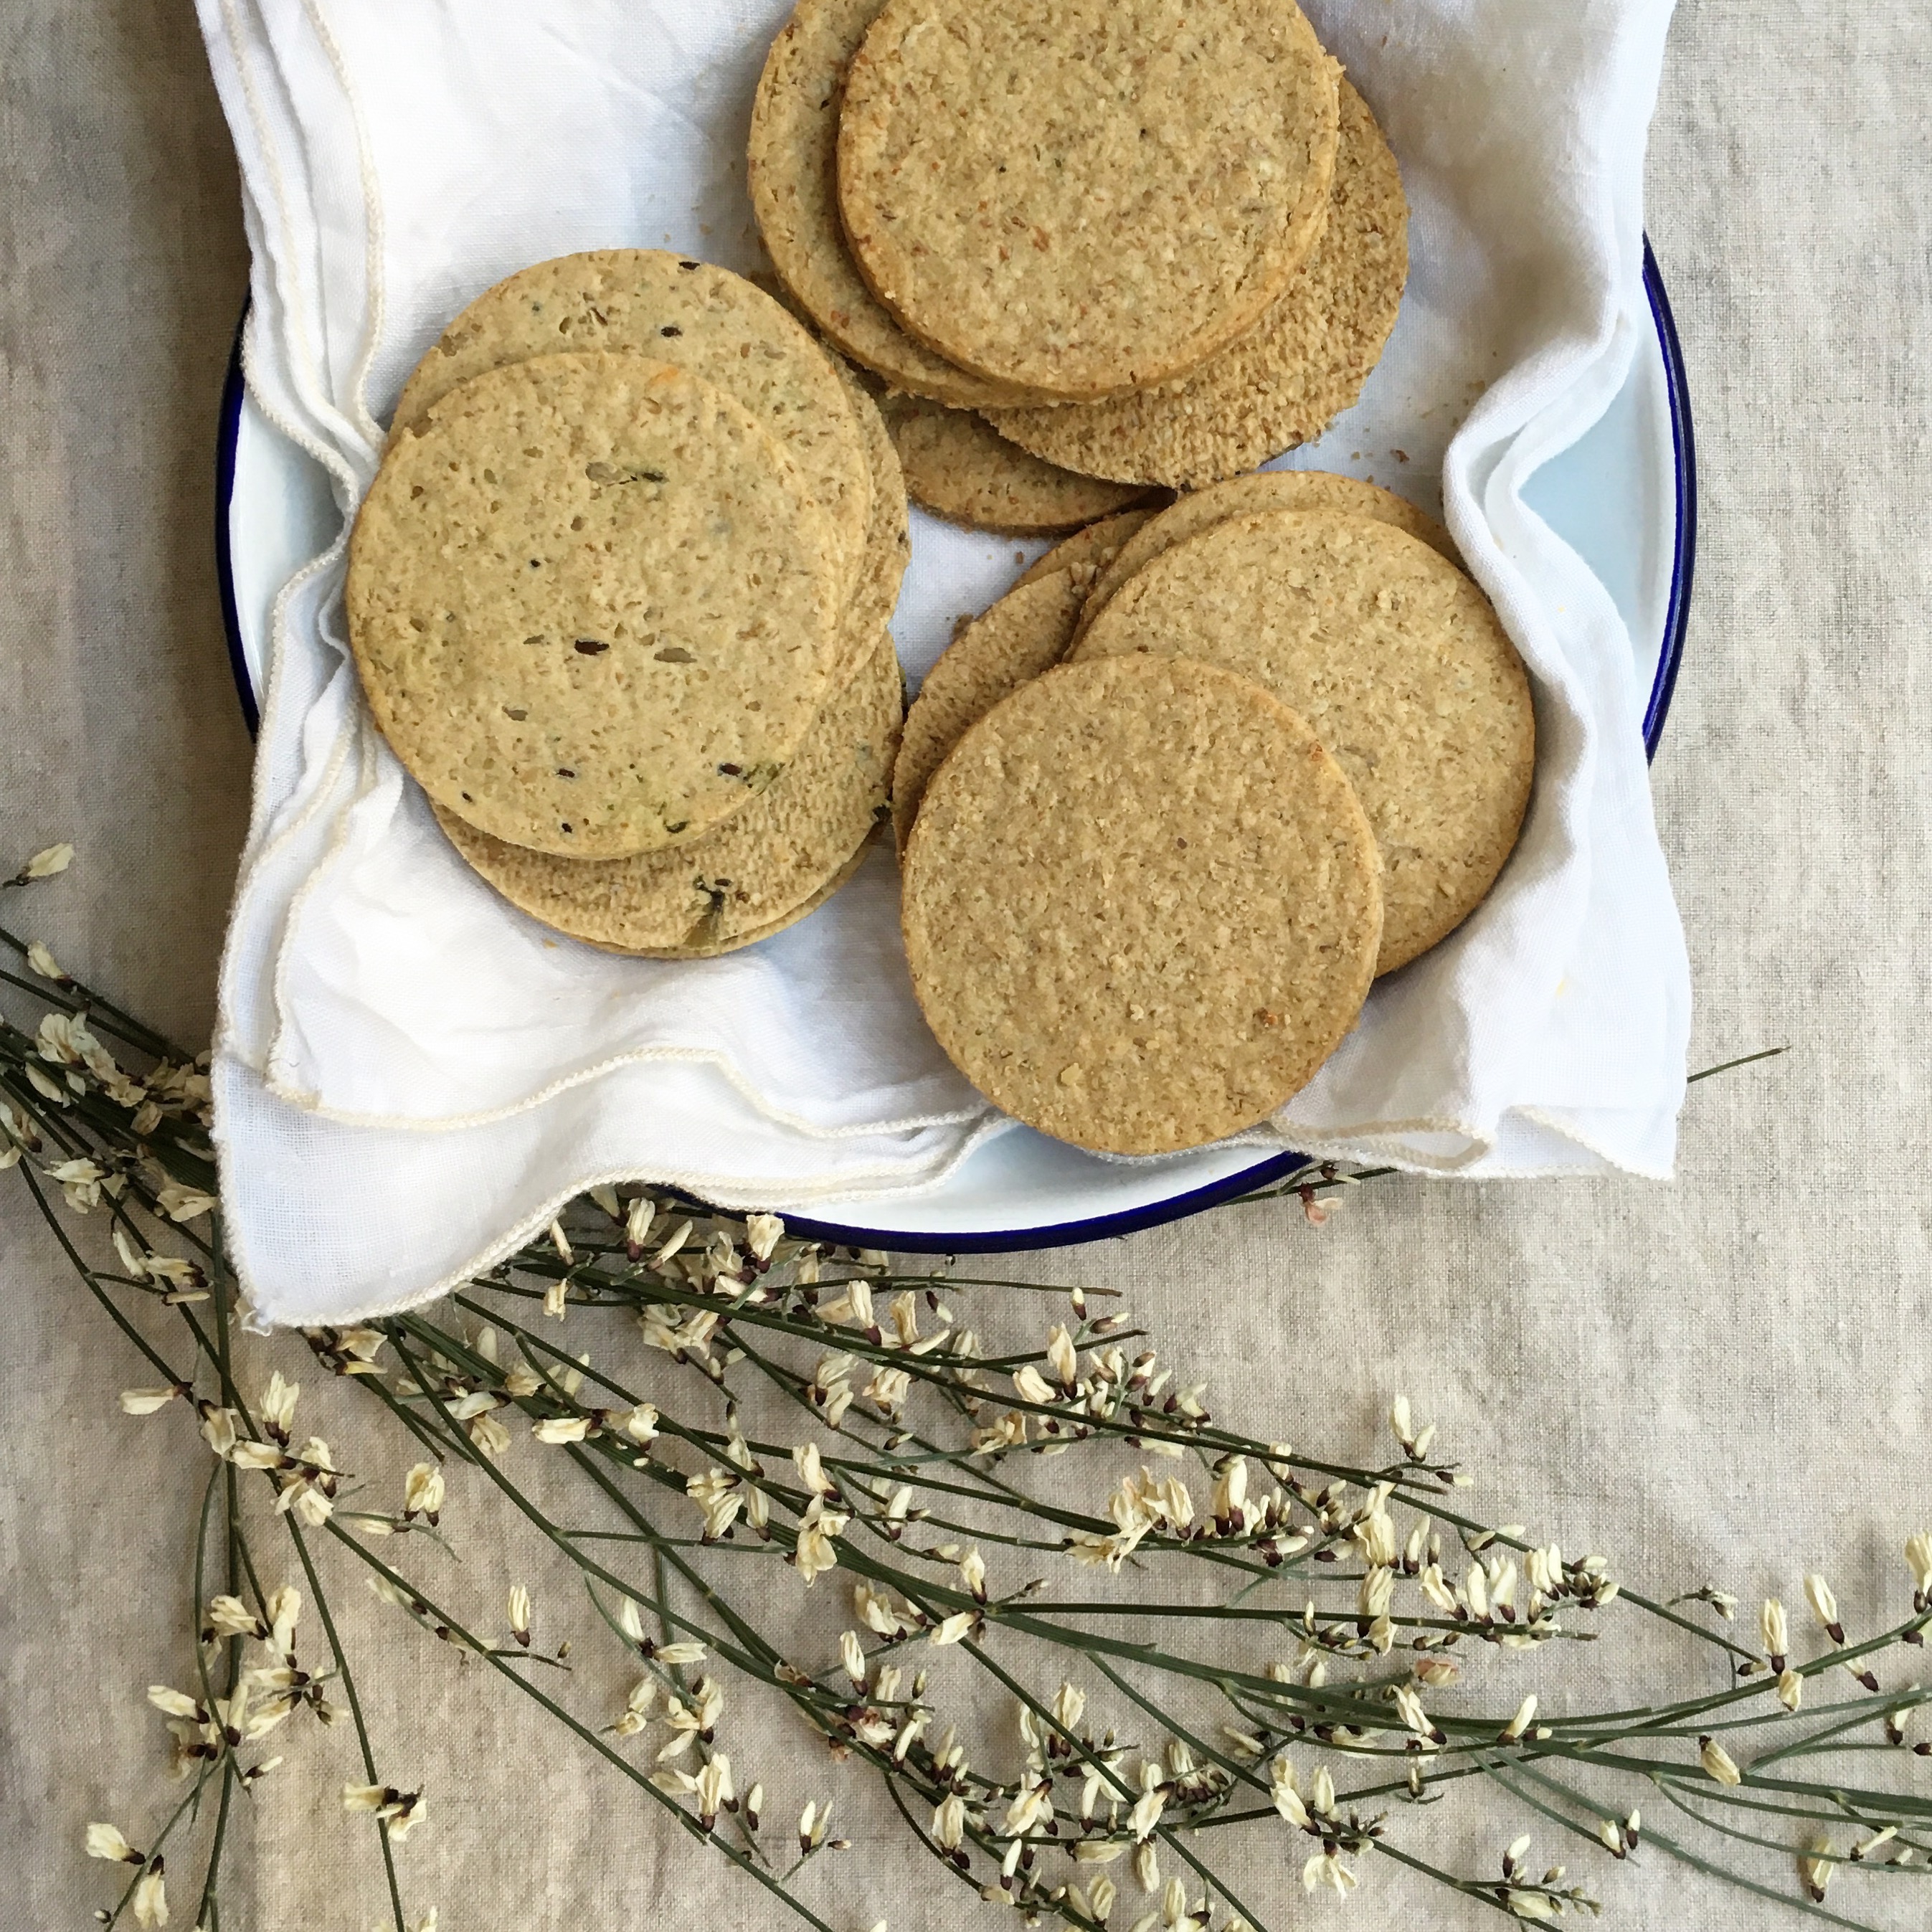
{"type": "Point", "coordinates": [1624, 498]}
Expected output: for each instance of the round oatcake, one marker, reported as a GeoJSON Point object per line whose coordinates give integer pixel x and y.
{"type": "Point", "coordinates": [1201, 510]}
{"type": "Point", "coordinates": [1026, 633]}
{"type": "Point", "coordinates": [694, 316]}
{"type": "Point", "coordinates": [793, 168]}
{"type": "Point", "coordinates": [1284, 382]}
{"type": "Point", "coordinates": [592, 606]}
{"type": "Point", "coordinates": [1396, 661]}
{"type": "Point", "coordinates": [1087, 197]}
{"type": "Point", "coordinates": [1090, 550]}
{"type": "Point", "coordinates": [1141, 904]}
{"type": "Point", "coordinates": [730, 886]}
{"type": "Point", "coordinates": [957, 466]}
{"type": "Point", "coordinates": [802, 910]}
{"type": "Point", "coordinates": [882, 569]}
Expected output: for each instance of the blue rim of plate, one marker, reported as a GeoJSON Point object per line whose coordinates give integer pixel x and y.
{"type": "Point", "coordinates": [1264, 1174]}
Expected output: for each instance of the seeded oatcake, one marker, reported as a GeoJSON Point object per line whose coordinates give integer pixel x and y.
{"type": "Point", "coordinates": [1398, 663]}
{"type": "Point", "coordinates": [1026, 633]}
{"type": "Point", "coordinates": [693, 316]}
{"type": "Point", "coordinates": [732, 886]}
{"type": "Point", "coordinates": [1089, 197]}
{"type": "Point", "coordinates": [592, 606]}
{"type": "Point", "coordinates": [1141, 904]}
{"type": "Point", "coordinates": [1283, 382]}
{"type": "Point", "coordinates": [888, 540]}
{"type": "Point", "coordinates": [957, 466]}
{"type": "Point", "coordinates": [1244, 496]}
{"type": "Point", "coordinates": [802, 910]}
{"type": "Point", "coordinates": [793, 158]}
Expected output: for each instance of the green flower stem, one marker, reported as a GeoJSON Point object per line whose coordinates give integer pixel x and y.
{"type": "Point", "coordinates": [1044, 1717]}
{"type": "Point", "coordinates": [1879, 1868]}
{"type": "Point", "coordinates": [207, 1910]}
{"type": "Point", "coordinates": [106, 1301]}
{"type": "Point", "coordinates": [747, 1637]}
{"type": "Point", "coordinates": [148, 1041]}
{"type": "Point", "coordinates": [1482, 1894]}
{"type": "Point", "coordinates": [584, 1735]}
{"type": "Point", "coordinates": [1684, 1856]}
{"type": "Point", "coordinates": [1329, 1706]}
{"type": "Point", "coordinates": [523, 1504]}
{"type": "Point", "coordinates": [874, 1454]}
{"type": "Point", "coordinates": [929, 1369]}
{"type": "Point", "coordinates": [192, 1802]}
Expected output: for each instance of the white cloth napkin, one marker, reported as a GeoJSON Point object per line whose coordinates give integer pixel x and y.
{"type": "Point", "coordinates": [410, 1077]}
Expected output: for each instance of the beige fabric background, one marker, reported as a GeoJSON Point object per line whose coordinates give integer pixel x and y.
{"type": "Point", "coordinates": [1720, 1380]}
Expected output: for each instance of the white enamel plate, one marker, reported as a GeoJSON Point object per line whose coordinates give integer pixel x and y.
{"type": "Point", "coordinates": [1624, 498]}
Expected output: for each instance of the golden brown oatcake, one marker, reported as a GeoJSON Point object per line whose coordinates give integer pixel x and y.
{"type": "Point", "coordinates": [1140, 904]}
{"type": "Point", "coordinates": [1283, 383]}
{"type": "Point", "coordinates": [802, 910]}
{"type": "Point", "coordinates": [1087, 197]}
{"type": "Point", "coordinates": [592, 607]}
{"type": "Point", "coordinates": [729, 887]}
{"type": "Point", "coordinates": [957, 466]}
{"type": "Point", "coordinates": [1090, 550]}
{"type": "Point", "coordinates": [693, 316]}
{"type": "Point", "coordinates": [1026, 632]}
{"type": "Point", "coordinates": [793, 158]}
{"type": "Point", "coordinates": [888, 539]}
{"type": "Point", "coordinates": [1243, 496]}
{"type": "Point", "coordinates": [1393, 657]}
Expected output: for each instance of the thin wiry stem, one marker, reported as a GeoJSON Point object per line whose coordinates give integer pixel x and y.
{"type": "Point", "coordinates": [954, 1486]}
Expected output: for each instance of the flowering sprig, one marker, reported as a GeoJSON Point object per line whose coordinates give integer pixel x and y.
{"type": "Point", "coordinates": [1236, 1634]}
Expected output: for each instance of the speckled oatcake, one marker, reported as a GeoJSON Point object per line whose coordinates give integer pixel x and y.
{"type": "Point", "coordinates": [1285, 381]}
{"type": "Point", "coordinates": [1396, 661]}
{"type": "Point", "coordinates": [958, 467]}
{"type": "Point", "coordinates": [888, 549]}
{"type": "Point", "coordinates": [888, 538]}
{"type": "Point", "coordinates": [694, 316]}
{"type": "Point", "coordinates": [1087, 197]}
{"type": "Point", "coordinates": [794, 157]}
{"type": "Point", "coordinates": [1026, 633]}
{"type": "Point", "coordinates": [1141, 904]}
{"type": "Point", "coordinates": [592, 608]}
{"type": "Point", "coordinates": [1244, 496]}
{"type": "Point", "coordinates": [1090, 550]}
{"type": "Point", "coordinates": [730, 886]}
{"type": "Point", "coordinates": [801, 911]}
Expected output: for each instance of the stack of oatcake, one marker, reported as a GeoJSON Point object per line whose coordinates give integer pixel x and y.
{"type": "Point", "coordinates": [619, 596]}
{"type": "Point", "coordinates": [1084, 249]}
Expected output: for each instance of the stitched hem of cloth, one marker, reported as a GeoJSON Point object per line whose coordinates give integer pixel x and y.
{"type": "Point", "coordinates": [309, 1103]}
{"type": "Point", "coordinates": [734, 1196]}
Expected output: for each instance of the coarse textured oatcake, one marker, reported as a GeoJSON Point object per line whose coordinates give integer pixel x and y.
{"type": "Point", "coordinates": [1141, 904]}
{"type": "Point", "coordinates": [957, 466]}
{"type": "Point", "coordinates": [730, 886]}
{"type": "Point", "coordinates": [592, 608]}
{"type": "Point", "coordinates": [1396, 661]}
{"type": "Point", "coordinates": [1285, 381]}
{"type": "Point", "coordinates": [1087, 197]}
{"type": "Point", "coordinates": [802, 910]}
{"type": "Point", "coordinates": [1092, 549]}
{"type": "Point", "coordinates": [888, 549]}
{"type": "Point", "coordinates": [693, 316]}
{"type": "Point", "coordinates": [1026, 633]}
{"type": "Point", "coordinates": [1244, 496]}
{"type": "Point", "coordinates": [794, 168]}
